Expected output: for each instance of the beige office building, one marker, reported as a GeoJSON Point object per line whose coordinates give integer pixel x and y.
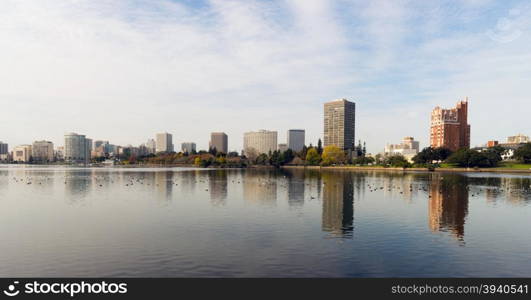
{"type": "Point", "coordinates": [22, 153]}
{"type": "Point", "coordinates": [42, 151]}
{"type": "Point", "coordinates": [339, 124]}
{"type": "Point", "coordinates": [518, 139]}
{"type": "Point", "coordinates": [220, 141]}
{"type": "Point", "coordinates": [164, 142]}
{"type": "Point", "coordinates": [258, 142]}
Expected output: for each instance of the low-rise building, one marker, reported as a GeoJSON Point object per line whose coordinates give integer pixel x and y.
{"type": "Point", "coordinates": [408, 148]}
{"type": "Point", "coordinates": [22, 153]}
{"type": "Point", "coordinates": [517, 139]}
{"type": "Point", "coordinates": [42, 151]}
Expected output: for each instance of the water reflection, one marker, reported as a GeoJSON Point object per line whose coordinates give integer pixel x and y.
{"type": "Point", "coordinates": [338, 203]}
{"type": "Point", "coordinates": [218, 183]}
{"type": "Point", "coordinates": [296, 187]}
{"type": "Point", "coordinates": [448, 205]}
{"type": "Point", "coordinates": [260, 188]}
{"type": "Point", "coordinates": [163, 185]}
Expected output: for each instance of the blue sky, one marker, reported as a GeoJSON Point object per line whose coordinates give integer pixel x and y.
{"type": "Point", "coordinates": [124, 70]}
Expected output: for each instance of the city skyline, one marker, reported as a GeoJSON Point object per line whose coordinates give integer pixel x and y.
{"type": "Point", "coordinates": [123, 71]}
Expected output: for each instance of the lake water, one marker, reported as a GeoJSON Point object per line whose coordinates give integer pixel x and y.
{"type": "Point", "coordinates": [262, 223]}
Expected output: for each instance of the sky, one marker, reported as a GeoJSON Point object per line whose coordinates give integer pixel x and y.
{"type": "Point", "coordinates": [124, 70]}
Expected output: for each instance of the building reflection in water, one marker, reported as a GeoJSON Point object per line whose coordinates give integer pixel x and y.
{"type": "Point", "coordinates": [296, 187]}
{"type": "Point", "coordinates": [77, 185]}
{"type": "Point", "coordinates": [260, 188]}
{"type": "Point", "coordinates": [448, 204]}
{"type": "Point", "coordinates": [164, 184]}
{"type": "Point", "coordinates": [338, 203]}
{"type": "Point", "coordinates": [217, 181]}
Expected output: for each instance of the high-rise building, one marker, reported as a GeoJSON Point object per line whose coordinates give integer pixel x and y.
{"type": "Point", "coordinates": [4, 151]}
{"type": "Point", "coordinates": [188, 147]}
{"type": "Point", "coordinates": [518, 139]}
{"type": "Point", "coordinates": [339, 124]}
{"type": "Point", "coordinates": [296, 139]}
{"type": "Point", "coordinates": [151, 146]}
{"type": "Point", "coordinates": [42, 151]}
{"type": "Point", "coordinates": [450, 128]}
{"type": "Point", "coordinates": [220, 141]}
{"type": "Point", "coordinates": [259, 142]}
{"type": "Point", "coordinates": [102, 146]}
{"type": "Point", "coordinates": [77, 148]}
{"type": "Point", "coordinates": [22, 153]}
{"type": "Point", "coordinates": [164, 142]}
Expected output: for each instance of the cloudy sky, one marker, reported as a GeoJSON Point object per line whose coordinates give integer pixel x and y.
{"type": "Point", "coordinates": [123, 70]}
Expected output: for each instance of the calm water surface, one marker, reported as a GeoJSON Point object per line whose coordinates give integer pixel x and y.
{"type": "Point", "coordinates": [255, 223]}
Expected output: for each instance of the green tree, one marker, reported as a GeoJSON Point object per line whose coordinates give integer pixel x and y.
{"type": "Point", "coordinates": [441, 153]}
{"type": "Point", "coordinates": [312, 157]}
{"type": "Point", "coordinates": [333, 155]}
{"type": "Point", "coordinates": [274, 159]}
{"type": "Point", "coordinates": [523, 154]}
{"type": "Point", "coordinates": [397, 161]}
{"type": "Point", "coordinates": [320, 146]}
{"type": "Point", "coordinates": [363, 160]}
{"type": "Point", "coordinates": [262, 159]}
{"type": "Point", "coordinates": [468, 158]}
{"type": "Point", "coordinates": [287, 156]}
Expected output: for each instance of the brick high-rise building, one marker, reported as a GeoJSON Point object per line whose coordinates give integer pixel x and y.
{"type": "Point", "coordinates": [450, 128]}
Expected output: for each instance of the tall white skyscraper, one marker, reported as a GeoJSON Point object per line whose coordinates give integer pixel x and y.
{"type": "Point", "coordinates": [296, 139]}
{"type": "Point", "coordinates": [77, 148]}
{"type": "Point", "coordinates": [164, 142]}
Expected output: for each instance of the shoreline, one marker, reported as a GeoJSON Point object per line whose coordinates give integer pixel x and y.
{"type": "Point", "coordinates": [319, 168]}
{"type": "Point", "coordinates": [390, 169]}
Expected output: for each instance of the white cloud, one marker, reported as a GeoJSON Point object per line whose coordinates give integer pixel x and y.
{"type": "Point", "coordinates": [123, 70]}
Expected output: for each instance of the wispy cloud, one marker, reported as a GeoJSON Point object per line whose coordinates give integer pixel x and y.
{"type": "Point", "coordinates": [123, 70]}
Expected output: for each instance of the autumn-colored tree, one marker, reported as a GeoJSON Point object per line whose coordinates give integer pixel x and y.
{"type": "Point", "coordinates": [312, 157]}
{"type": "Point", "coordinates": [333, 155]}
{"type": "Point", "coordinates": [197, 161]}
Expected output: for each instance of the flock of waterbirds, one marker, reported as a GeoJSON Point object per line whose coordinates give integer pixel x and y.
{"type": "Point", "coordinates": [426, 187]}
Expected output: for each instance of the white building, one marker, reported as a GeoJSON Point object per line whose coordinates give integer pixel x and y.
{"type": "Point", "coordinates": [408, 148]}
{"type": "Point", "coordinates": [164, 142]}
{"type": "Point", "coordinates": [283, 147]}
{"type": "Point", "coordinates": [77, 148]}
{"type": "Point", "coordinates": [22, 153]}
{"type": "Point", "coordinates": [42, 151]}
{"type": "Point", "coordinates": [296, 139]}
{"type": "Point", "coordinates": [258, 142]}
{"type": "Point", "coordinates": [151, 146]}
{"type": "Point", "coordinates": [517, 139]}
